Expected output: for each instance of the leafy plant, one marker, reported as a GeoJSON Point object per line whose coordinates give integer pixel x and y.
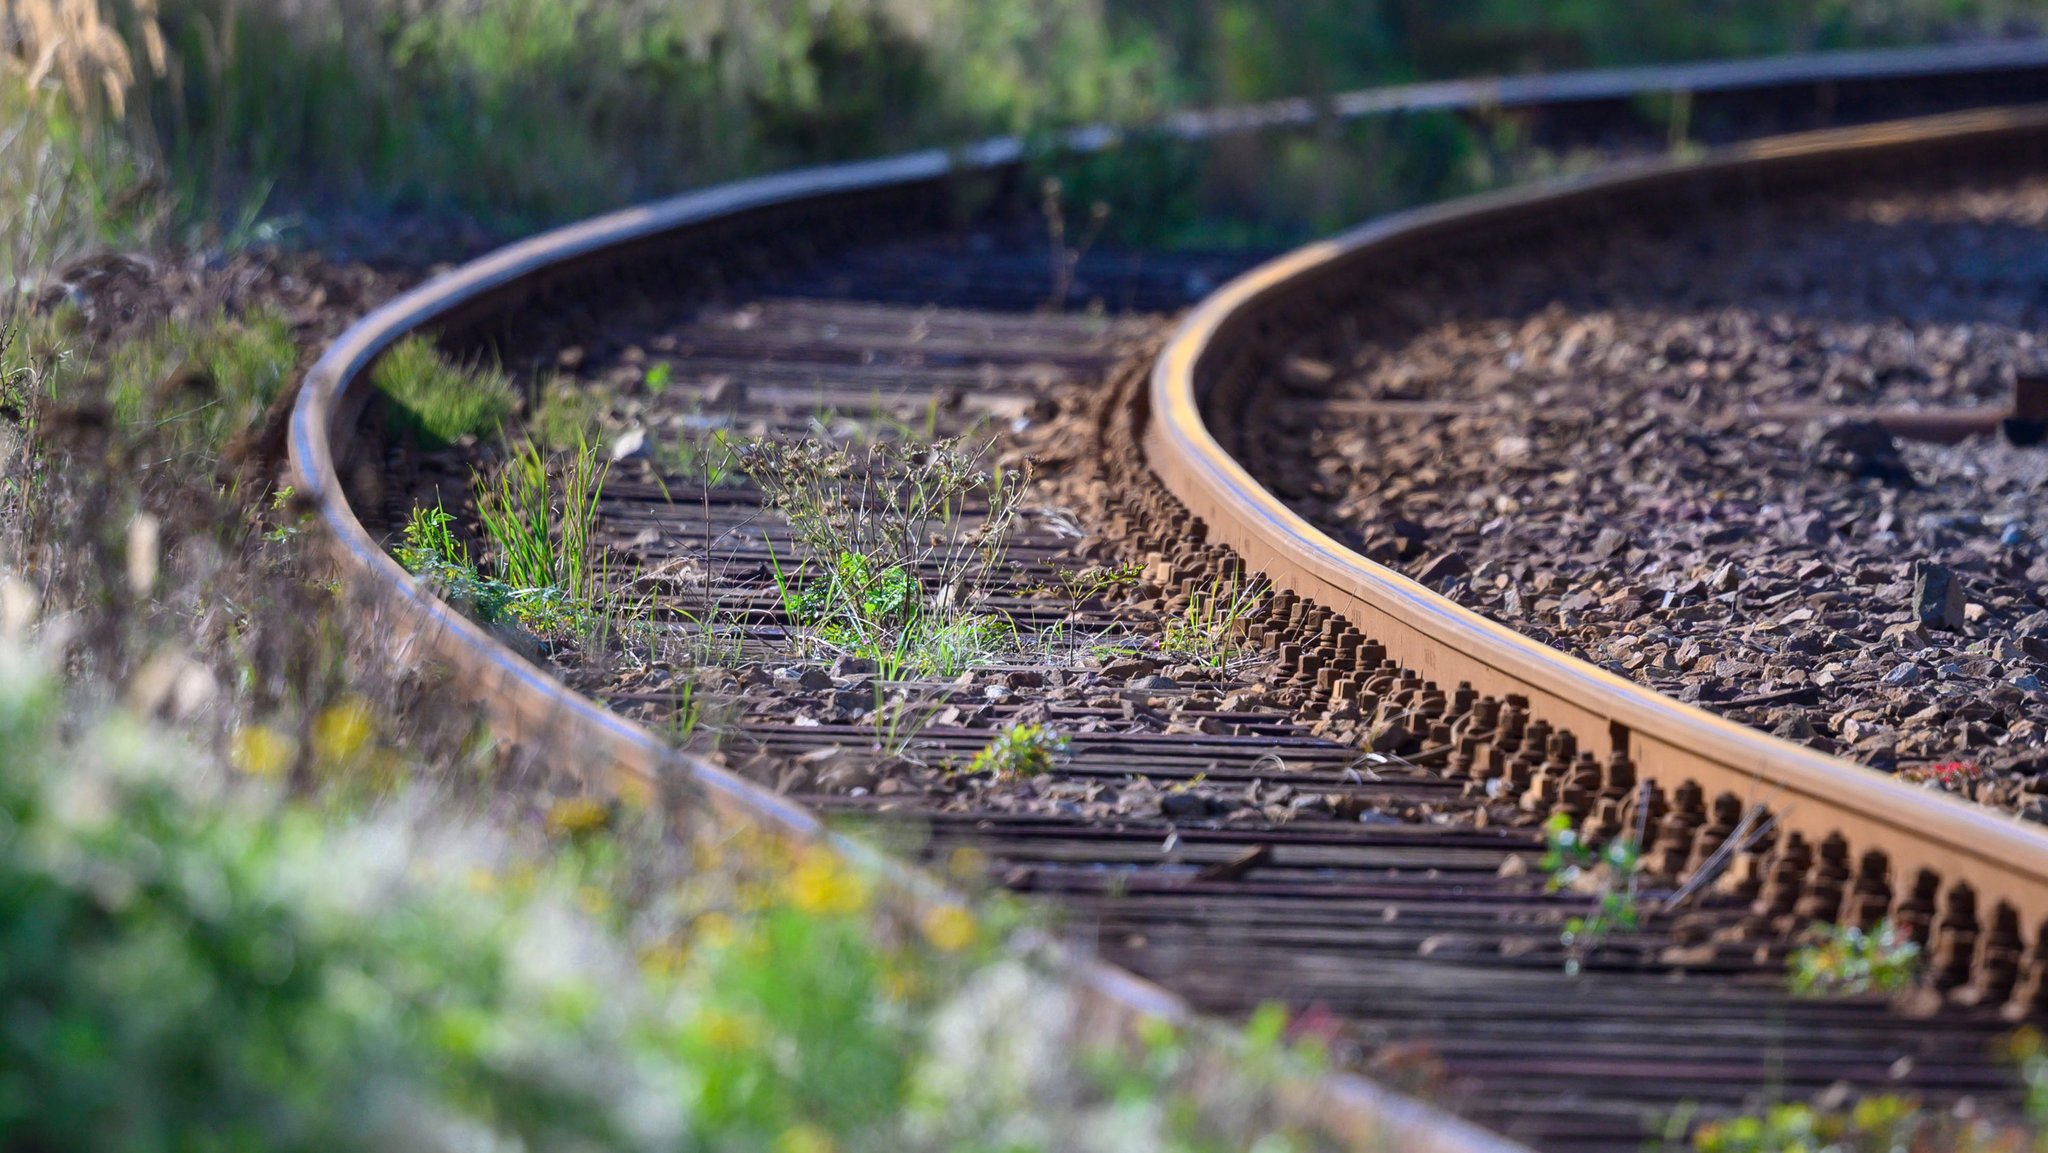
{"type": "Point", "coordinates": [429, 551]}
{"type": "Point", "coordinates": [1610, 873]}
{"type": "Point", "coordinates": [439, 402]}
{"type": "Point", "coordinates": [1020, 751]}
{"type": "Point", "coordinates": [1847, 961]}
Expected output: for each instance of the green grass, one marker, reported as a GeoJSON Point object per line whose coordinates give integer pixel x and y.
{"type": "Point", "coordinates": [1210, 627]}
{"type": "Point", "coordinates": [429, 551]}
{"type": "Point", "coordinates": [436, 401]}
{"type": "Point", "coordinates": [539, 516]}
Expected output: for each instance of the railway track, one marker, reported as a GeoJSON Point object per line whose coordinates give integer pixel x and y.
{"type": "Point", "coordinates": [1344, 814]}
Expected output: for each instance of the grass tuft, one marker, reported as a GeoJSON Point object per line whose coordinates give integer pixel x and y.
{"type": "Point", "coordinates": [540, 519]}
{"type": "Point", "coordinates": [439, 402]}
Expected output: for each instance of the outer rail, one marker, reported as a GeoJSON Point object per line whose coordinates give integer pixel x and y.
{"type": "Point", "coordinates": [1216, 364]}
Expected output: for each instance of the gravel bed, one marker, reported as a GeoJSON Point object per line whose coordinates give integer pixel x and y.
{"type": "Point", "coordinates": [1598, 467]}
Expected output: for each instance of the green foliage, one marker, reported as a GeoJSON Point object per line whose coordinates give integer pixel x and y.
{"type": "Point", "coordinates": [540, 520]}
{"type": "Point", "coordinates": [1609, 872]}
{"type": "Point", "coordinates": [892, 565]}
{"type": "Point", "coordinates": [1885, 1123]}
{"type": "Point", "coordinates": [1020, 751]}
{"type": "Point", "coordinates": [193, 964]}
{"type": "Point", "coordinates": [525, 111]}
{"type": "Point", "coordinates": [1847, 961]}
{"type": "Point", "coordinates": [708, 461]}
{"type": "Point", "coordinates": [190, 387]}
{"type": "Point", "coordinates": [186, 973]}
{"type": "Point", "coordinates": [439, 402]}
{"type": "Point", "coordinates": [565, 418]}
{"type": "Point", "coordinates": [430, 552]}
{"type": "Point", "coordinates": [538, 517]}
{"type": "Point", "coordinates": [1210, 627]}
{"type": "Point", "coordinates": [1877, 1124]}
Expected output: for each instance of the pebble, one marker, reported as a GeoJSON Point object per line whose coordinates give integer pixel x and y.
{"type": "Point", "coordinates": [1937, 597]}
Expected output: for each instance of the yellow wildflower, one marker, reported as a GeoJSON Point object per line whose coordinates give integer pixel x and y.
{"type": "Point", "coordinates": [714, 930]}
{"type": "Point", "coordinates": [342, 729]}
{"type": "Point", "coordinates": [572, 815]}
{"type": "Point", "coordinates": [482, 880]}
{"type": "Point", "coordinates": [666, 959]}
{"type": "Point", "coordinates": [594, 901]}
{"type": "Point", "coordinates": [728, 1031]}
{"type": "Point", "coordinates": [805, 1138]}
{"type": "Point", "coordinates": [949, 928]}
{"type": "Point", "coordinates": [261, 751]}
{"type": "Point", "coordinates": [820, 885]}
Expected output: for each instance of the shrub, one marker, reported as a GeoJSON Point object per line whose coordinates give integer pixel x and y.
{"type": "Point", "coordinates": [185, 972]}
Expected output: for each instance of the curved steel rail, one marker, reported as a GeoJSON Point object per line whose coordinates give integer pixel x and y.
{"type": "Point", "coordinates": [702, 239]}
{"type": "Point", "coordinates": [1213, 367]}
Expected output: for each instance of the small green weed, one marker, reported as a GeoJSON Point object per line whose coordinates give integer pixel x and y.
{"type": "Point", "coordinates": [892, 566]}
{"type": "Point", "coordinates": [1611, 872]}
{"type": "Point", "coordinates": [429, 551]}
{"type": "Point", "coordinates": [1021, 751]}
{"type": "Point", "coordinates": [705, 461]}
{"type": "Point", "coordinates": [900, 717]}
{"type": "Point", "coordinates": [439, 402]}
{"type": "Point", "coordinates": [1209, 628]}
{"type": "Point", "coordinates": [1847, 961]}
{"type": "Point", "coordinates": [539, 522]}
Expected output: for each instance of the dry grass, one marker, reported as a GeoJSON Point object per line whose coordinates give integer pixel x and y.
{"type": "Point", "coordinates": [81, 45]}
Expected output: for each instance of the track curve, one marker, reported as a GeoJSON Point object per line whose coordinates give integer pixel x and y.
{"type": "Point", "coordinates": [704, 240]}
{"type": "Point", "coordinates": [1211, 375]}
